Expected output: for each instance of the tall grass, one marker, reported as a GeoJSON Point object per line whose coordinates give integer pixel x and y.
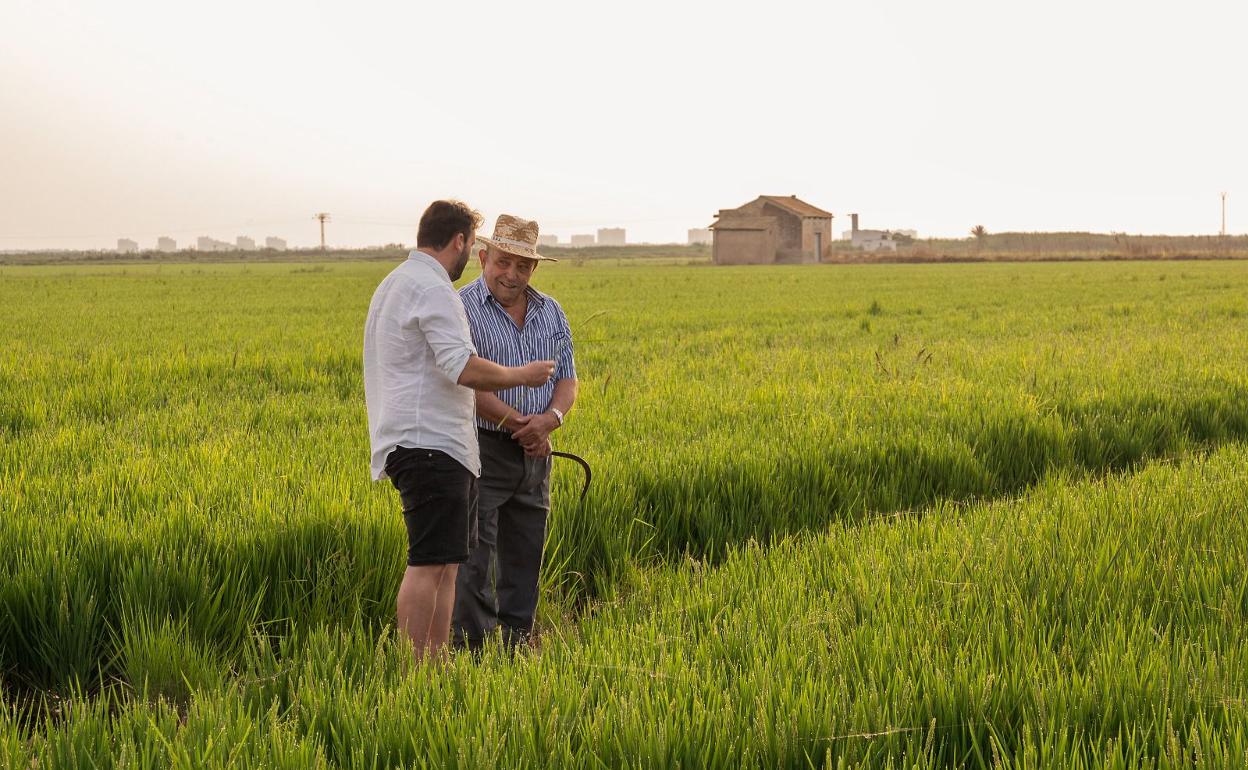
{"type": "Point", "coordinates": [1093, 624]}
{"type": "Point", "coordinates": [183, 488]}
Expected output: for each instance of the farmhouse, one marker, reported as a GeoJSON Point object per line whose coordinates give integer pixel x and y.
{"type": "Point", "coordinates": [771, 229]}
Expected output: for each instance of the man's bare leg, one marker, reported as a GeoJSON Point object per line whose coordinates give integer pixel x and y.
{"type": "Point", "coordinates": [419, 604]}
{"type": "Point", "coordinates": [440, 625]}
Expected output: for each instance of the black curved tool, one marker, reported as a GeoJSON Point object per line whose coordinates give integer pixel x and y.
{"type": "Point", "coordinates": [589, 475]}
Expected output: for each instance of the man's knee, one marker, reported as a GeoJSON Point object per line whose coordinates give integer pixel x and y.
{"type": "Point", "coordinates": [429, 575]}
{"type": "Point", "coordinates": [449, 573]}
{"type": "Point", "coordinates": [525, 525]}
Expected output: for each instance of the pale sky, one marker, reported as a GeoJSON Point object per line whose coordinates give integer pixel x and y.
{"type": "Point", "coordinates": [138, 119]}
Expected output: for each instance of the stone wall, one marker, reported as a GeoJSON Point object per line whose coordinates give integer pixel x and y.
{"type": "Point", "coordinates": [744, 247]}
{"type": "Point", "coordinates": [810, 226]}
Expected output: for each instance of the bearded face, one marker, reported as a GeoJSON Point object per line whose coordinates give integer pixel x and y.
{"type": "Point", "coordinates": [462, 260]}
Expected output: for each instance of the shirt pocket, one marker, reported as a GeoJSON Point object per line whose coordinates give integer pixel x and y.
{"type": "Point", "coordinates": [549, 347]}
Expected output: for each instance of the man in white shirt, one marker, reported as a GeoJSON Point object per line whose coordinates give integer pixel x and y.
{"type": "Point", "coordinates": [420, 369]}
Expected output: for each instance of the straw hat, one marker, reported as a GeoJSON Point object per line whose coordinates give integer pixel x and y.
{"type": "Point", "coordinates": [515, 236]}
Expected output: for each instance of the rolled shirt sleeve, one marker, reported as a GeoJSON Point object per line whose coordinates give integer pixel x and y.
{"type": "Point", "coordinates": [440, 316]}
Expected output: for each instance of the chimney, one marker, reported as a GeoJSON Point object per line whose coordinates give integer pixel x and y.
{"type": "Point", "coordinates": [854, 219]}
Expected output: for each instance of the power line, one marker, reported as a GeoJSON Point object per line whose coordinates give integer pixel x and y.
{"type": "Point", "coordinates": [560, 223]}
{"type": "Point", "coordinates": [377, 222]}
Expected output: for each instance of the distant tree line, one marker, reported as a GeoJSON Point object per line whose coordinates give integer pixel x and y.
{"type": "Point", "coordinates": [984, 245]}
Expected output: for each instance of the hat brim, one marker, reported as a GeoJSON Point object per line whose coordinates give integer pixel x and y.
{"type": "Point", "coordinates": [515, 252]}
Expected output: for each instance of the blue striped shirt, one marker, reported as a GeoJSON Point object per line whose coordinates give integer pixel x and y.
{"type": "Point", "coordinates": [545, 336]}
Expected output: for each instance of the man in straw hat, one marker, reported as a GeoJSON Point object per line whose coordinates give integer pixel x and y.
{"type": "Point", "coordinates": [512, 324]}
{"type": "Point", "coordinates": [419, 369]}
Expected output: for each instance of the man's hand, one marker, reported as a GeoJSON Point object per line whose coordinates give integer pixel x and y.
{"type": "Point", "coordinates": [540, 450]}
{"type": "Point", "coordinates": [481, 374]}
{"type": "Point", "coordinates": [536, 433]}
{"type": "Point", "coordinates": [536, 374]}
{"type": "Point", "coordinates": [514, 421]}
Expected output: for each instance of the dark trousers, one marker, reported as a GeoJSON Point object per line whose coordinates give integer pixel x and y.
{"type": "Point", "coordinates": [497, 587]}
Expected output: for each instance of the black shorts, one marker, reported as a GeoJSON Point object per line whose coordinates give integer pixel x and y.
{"type": "Point", "coordinates": [439, 505]}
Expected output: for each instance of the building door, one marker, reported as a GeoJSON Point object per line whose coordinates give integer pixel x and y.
{"type": "Point", "coordinates": [818, 247]}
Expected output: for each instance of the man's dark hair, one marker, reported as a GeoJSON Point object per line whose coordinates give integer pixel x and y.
{"type": "Point", "coordinates": [443, 220]}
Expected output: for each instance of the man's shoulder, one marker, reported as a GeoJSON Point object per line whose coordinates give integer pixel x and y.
{"type": "Point", "coordinates": [472, 294]}
{"type": "Point", "coordinates": [416, 276]}
{"type": "Point", "coordinates": [550, 304]}
{"type": "Point", "coordinates": [472, 288]}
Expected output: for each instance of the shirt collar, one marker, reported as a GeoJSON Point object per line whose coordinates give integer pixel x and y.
{"type": "Point", "coordinates": [480, 290]}
{"type": "Point", "coordinates": [535, 296]}
{"type": "Point", "coordinates": [421, 256]}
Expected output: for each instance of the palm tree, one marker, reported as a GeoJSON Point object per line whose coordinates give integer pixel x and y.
{"type": "Point", "coordinates": [981, 234]}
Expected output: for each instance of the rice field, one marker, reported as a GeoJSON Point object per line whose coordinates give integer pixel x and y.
{"type": "Point", "coordinates": [882, 516]}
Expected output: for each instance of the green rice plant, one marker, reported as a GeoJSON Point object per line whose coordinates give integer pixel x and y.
{"type": "Point", "coordinates": [185, 505]}
{"type": "Point", "coordinates": [1083, 625]}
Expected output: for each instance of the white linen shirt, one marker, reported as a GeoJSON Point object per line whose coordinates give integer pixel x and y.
{"type": "Point", "coordinates": [416, 344]}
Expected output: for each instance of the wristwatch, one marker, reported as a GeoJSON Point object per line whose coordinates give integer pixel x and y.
{"type": "Point", "coordinates": [558, 415]}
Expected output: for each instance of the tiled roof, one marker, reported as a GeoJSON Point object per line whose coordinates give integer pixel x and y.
{"type": "Point", "coordinates": [796, 205]}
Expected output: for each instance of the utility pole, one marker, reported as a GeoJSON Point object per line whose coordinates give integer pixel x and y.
{"type": "Point", "coordinates": [1223, 215]}
{"type": "Point", "coordinates": [324, 217]}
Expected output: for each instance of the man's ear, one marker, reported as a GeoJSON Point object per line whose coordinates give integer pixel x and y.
{"type": "Point", "coordinates": [482, 255]}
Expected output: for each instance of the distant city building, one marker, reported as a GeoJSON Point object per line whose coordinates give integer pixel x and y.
{"type": "Point", "coordinates": [273, 242]}
{"type": "Point", "coordinates": [579, 241]}
{"type": "Point", "coordinates": [611, 236]}
{"type": "Point", "coordinates": [699, 235]}
{"type": "Point", "coordinates": [127, 246]}
{"type": "Point", "coordinates": [870, 240]}
{"type": "Point", "coordinates": [204, 243]}
{"type": "Point", "coordinates": [243, 243]}
{"type": "Point", "coordinates": [166, 244]}
{"type": "Point", "coordinates": [547, 240]}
